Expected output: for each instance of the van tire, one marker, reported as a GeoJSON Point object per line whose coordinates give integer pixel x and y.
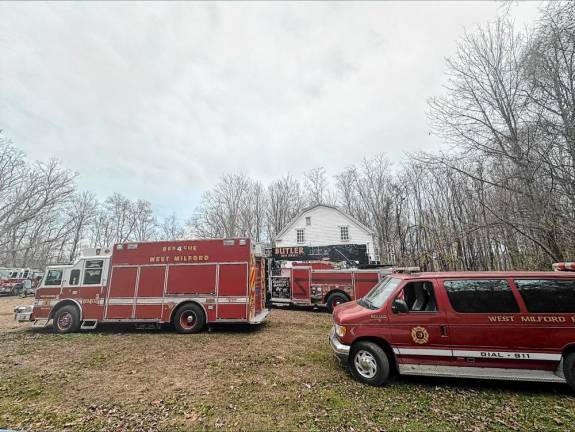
{"type": "Point", "coordinates": [335, 299]}
{"type": "Point", "coordinates": [190, 318]}
{"type": "Point", "coordinates": [569, 369]}
{"type": "Point", "coordinates": [369, 363]}
{"type": "Point", "coordinates": [66, 320]}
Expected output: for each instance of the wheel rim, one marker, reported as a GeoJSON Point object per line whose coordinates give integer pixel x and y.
{"type": "Point", "coordinates": [65, 321]}
{"type": "Point", "coordinates": [365, 364]}
{"type": "Point", "coordinates": [188, 320]}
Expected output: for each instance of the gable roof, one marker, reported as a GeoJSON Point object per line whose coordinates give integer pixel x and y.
{"type": "Point", "coordinates": [307, 209]}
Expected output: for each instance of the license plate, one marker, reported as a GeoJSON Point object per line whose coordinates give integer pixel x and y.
{"type": "Point", "coordinates": [22, 317]}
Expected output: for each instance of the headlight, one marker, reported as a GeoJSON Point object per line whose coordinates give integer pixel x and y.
{"type": "Point", "coordinates": [340, 331]}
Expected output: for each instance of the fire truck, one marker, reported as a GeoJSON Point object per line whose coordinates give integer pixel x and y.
{"type": "Point", "coordinates": [189, 284]}
{"type": "Point", "coordinates": [320, 283]}
{"type": "Point", "coordinates": [12, 279]}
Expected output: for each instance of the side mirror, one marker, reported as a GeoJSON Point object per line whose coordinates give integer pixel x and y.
{"type": "Point", "coordinates": [399, 306]}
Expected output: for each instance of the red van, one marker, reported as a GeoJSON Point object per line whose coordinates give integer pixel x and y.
{"type": "Point", "coordinates": [491, 325]}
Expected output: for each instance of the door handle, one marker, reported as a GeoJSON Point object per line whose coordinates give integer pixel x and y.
{"type": "Point", "coordinates": [444, 331]}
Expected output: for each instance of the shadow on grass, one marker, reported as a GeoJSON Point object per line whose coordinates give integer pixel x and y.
{"type": "Point", "coordinates": [131, 328]}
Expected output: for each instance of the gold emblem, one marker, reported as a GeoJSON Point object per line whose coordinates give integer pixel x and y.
{"type": "Point", "coordinates": [419, 335]}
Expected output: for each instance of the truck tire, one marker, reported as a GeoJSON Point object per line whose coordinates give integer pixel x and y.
{"type": "Point", "coordinates": [190, 318]}
{"type": "Point", "coordinates": [335, 299]}
{"type": "Point", "coordinates": [368, 363]}
{"type": "Point", "coordinates": [66, 320]}
{"type": "Point", "coordinates": [569, 369]}
{"type": "Point", "coordinates": [16, 289]}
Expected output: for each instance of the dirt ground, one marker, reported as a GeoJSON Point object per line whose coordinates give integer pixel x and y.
{"type": "Point", "coordinates": [279, 376]}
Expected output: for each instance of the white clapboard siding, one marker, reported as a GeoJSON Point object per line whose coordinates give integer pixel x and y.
{"type": "Point", "coordinates": [325, 230]}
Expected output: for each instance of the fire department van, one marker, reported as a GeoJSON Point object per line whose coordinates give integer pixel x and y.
{"type": "Point", "coordinates": [319, 284]}
{"type": "Point", "coordinates": [491, 325]}
{"type": "Point", "coordinates": [186, 283]}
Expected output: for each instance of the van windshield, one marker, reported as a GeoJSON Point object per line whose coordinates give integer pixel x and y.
{"type": "Point", "coordinates": [375, 299]}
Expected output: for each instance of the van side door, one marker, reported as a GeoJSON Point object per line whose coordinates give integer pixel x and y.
{"type": "Point", "coordinates": [418, 335]}
{"type": "Point", "coordinates": [484, 324]}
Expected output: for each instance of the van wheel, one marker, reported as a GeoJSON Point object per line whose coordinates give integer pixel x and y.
{"type": "Point", "coordinates": [334, 300]}
{"type": "Point", "coordinates": [569, 369]}
{"type": "Point", "coordinates": [369, 363]}
{"type": "Point", "coordinates": [190, 318]}
{"type": "Point", "coordinates": [66, 319]}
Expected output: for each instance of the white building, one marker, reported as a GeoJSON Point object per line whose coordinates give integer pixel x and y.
{"type": "Point", "coordinates": [323, 225]}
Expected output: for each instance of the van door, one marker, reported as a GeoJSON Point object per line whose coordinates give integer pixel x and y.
{"type": "Point", "coordinates": [419, 334]}
{"type": "Point", "coordinates": [485, 324]}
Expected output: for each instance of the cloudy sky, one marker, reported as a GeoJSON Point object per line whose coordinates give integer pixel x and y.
{"type": "Point", "coordinates": [156, 100]}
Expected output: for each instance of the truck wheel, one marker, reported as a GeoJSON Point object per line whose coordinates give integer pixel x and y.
{"type": "Point", "coordinates": [369, 363]}
{"type": "Point", "coordinates": [190, 318]}
{"type": "Point", "coordinates": [335, 299]}
{"type": "Point", "coordinates": [66, 319]}
{"type": "Point", "coordinates": [569, 369]}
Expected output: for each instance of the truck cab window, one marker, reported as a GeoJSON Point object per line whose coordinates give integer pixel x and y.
{"type": "Point", "coordinates": [93, 272]}
{"type": "Point", "coordinates": [74, 277]}
{"type": "Point", "coordinates": [54, 277]}
{"type": "Point", "coordinates": [419, 296]}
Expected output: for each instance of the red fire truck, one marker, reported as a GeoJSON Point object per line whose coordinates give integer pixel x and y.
{"type": "Point", "coordinates": [12, 279]}
{"type": "Point", "coordinates": [320, 283]}
{"type": "Point", "coordinates": [490, 325]}
{"type": "Point", "coordinates": [189, 284]}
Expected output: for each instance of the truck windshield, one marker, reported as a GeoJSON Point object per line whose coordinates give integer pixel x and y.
{"type": "Point", "coordinates": [376, 298]}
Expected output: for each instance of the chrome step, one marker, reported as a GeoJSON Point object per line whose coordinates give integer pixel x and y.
{"type": "Point", "coordinates": [89, 325]}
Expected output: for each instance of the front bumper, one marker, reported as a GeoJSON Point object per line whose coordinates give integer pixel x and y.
{"type": "Point", "coordinates": [340, 350]}
{"type": "Point", "coordinates": [23, 313]}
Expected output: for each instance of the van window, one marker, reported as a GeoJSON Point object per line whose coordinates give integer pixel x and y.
{"type": "Point", "coordinates": [548, 296]}
{"type": "Point", "coordinates": [419, 296]}
{"type": "Point", "coordinates": [54, 277]}
{"type": "Point", "coordinates": [481, 296]}
{"type": "Point", "coordinates": [93, 272]}
{"type": "Point", "coordinates": [74, 277]}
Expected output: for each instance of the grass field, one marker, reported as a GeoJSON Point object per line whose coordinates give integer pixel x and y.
{"type": "Point", "coordinates": [280, 376]}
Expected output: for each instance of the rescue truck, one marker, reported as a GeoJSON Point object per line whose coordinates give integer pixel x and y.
{"type": "Point", "coordinates": [189, 284]}
{"type": "Point", "coordinates": [490, 325]}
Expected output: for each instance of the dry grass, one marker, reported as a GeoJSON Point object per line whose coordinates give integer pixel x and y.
{"type": "Point", "coordinates": [280, 376]}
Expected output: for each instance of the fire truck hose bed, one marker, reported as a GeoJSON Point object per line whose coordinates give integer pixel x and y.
{"type": "Point", "coordinates": [281, 375]}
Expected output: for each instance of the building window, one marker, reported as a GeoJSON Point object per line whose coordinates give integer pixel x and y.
{"type": "Point", "coordinates": [344, 233]}
{"type": "Point", "coordinates": [300, 235]}
{"type": "Point", "coordinates": [308, 220]}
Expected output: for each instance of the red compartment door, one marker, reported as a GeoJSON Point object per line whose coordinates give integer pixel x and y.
{"type": "Point", "coordinates": [120, 301]}
{"type": "Point", "coordinates": [300, 284]}
{"type": "Point", "coordinates": [233, 292]}
{"type": "Point", "coordinates": [150, 292]}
